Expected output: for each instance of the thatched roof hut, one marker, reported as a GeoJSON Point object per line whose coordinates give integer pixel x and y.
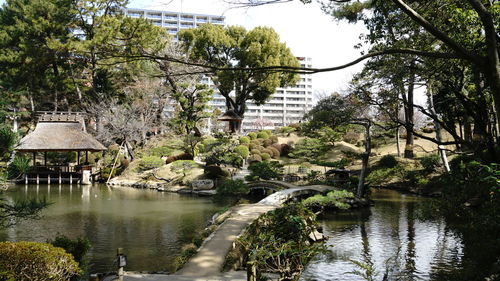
{"type": "Point", "coordinates": [59, 132]}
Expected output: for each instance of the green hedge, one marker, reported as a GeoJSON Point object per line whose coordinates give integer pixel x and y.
{"type": "Point", "coordinates": [263, 135]}
{"type": "Point", "coordinates": [242, 151]}
{"type": "Point", "coordinates": [32, 261]}
{"type": "Point", "coordinates": [150, 162]}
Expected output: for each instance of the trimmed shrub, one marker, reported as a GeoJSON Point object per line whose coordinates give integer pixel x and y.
{"type": "Point", "coordinates": [268, 132]}
{"type": "Point", "coordinates": [31, 261]}
{"type": "Point", "coordinates": [252, 146]}
{"type": "Point", "coordinates": [267, 142]}
{"type": "Point", "coordinates": [254, 158]}
{"type": "Point", "coordinates": [124, 163]}
{"type": "Point", "coordinates": [255, 151]}
{"type": "Point", "coordinates": [309, 148]}
{"type": "Point", "coordinates": [296, 126]}
{"type": "Point", "coordinates": [255, 142]}
{"type": "Point", "coordinates": [276, 153]}
{"type": "Point", "coordinates": [150, 162]}
{"type": "Point", "coordinates": [244, 139]}
{"type": "Point", "coordinates": [277, 146]}
{"type": "Point", "coordinates": [262, 135]}
{"type": "Point", "coordinates": [267, 150]}
{"type": "Point", "coordinates": [183, 156]}
{"type": "Point", "coordinates": [428, 130]}
{"type": "Point", "coordinates": [430, 162]}
{"type": "Point", "coordinates": [339, 164]}
{"type": "Point", "coordinates": [336, 199]}
{"type": "Point", "coordinates": [265, 156]}
{"type": "Point", "coordinates": [183, 166]}
{"type": "Point", "coordinates": [78, 248]}
{"type": "Point", "coordinates": [415, 178]}
{"type": "Point", "coordinates": [215, 172]}
{"type": "Point", "coordinates": [252, 135]}
{"type": "Point", "coordinates": [351, 137]}
{"type": "Point", "coordinates": [242, 151]}
{"type": "Point", "coordinates": [274, 139]}
{"type": "Point", "coordinates": [266, 170]}
{"type": "Point", "coordinates": [233, 187]}
{"type": "Point", "coordinates": [160, 151]}
{"type": "Point", "coordinates": [285, 149]}
{"type": "Point", "coordinates": [287, 130]}
{"type": "Point", "coordinates": [388, 161]}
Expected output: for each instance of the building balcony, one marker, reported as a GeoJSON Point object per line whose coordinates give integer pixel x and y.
{"type": "Point", "coordinates": [150, 16]}
{"type": "Point", "coordinates": [135, 15]}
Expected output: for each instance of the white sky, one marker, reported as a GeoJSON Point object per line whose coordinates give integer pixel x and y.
{"type": "Point", "coordinates": [307, 31]}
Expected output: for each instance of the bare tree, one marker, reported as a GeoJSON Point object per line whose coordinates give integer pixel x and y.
{"type": "Point", "coordinates": [131, 121]}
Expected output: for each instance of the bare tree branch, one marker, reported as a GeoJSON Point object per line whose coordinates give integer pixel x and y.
{"type": "Point", "coordinates": [437, 33]}
{"type": "Point", "coordinates": [299, 70]}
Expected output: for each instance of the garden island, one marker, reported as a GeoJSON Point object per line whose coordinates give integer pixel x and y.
{"type": "Point", "coordinates": [149, 144]}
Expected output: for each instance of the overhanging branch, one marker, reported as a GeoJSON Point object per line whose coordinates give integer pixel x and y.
{"type": "Point", "coordinates": [290, 69]}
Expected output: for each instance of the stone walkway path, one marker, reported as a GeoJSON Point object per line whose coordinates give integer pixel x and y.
{"type": "Point", "coordinates": [210, 258]}
{"type": "Point", "coordinates": [207, 263]}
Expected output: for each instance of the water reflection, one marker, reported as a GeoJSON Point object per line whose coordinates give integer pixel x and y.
{"type": "Point", "coordinates": [391, 238]}
{"type": "Point", "coordinates": [151, 226]}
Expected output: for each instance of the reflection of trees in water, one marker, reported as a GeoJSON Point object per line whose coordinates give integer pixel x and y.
{"type": "Point", "coordinates": [421, 245]}
{"type": "Point", "coordinates": [410, 265]}
{"type": "Point", "coordinates": [475, 258]}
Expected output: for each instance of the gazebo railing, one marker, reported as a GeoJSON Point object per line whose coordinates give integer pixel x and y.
{"type": "Point", "coordinates": [59, 168]}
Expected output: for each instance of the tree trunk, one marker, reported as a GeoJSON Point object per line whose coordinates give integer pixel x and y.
{"type": "Point", "coordinates": [130, 150]}
{"type": "Point", "coordinates": [366, 156]}
{"type": "Point", "coordinates": [467, 130]}
{"type": "Point", "coordinates": [492, 63]}
{"type": "Point", "coordinates": [437, 127]}
{"type": "Point", "coordinates": [398, 144]}
{"type": "Point", "coordinates": [197, 132]}
{"type": "Point", "coordinates": [409, 113]}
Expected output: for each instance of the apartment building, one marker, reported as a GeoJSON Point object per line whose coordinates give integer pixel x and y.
{"type": "Point", "coordinates": [173, 22]}
{"type": "Point", "coordinates": [286, 106]}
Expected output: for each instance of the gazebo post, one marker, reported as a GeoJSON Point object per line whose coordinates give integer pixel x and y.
{"type": "Point", "coordinates": [78, 158]}
{"type": "Point", "coordinates": [34, 158]}
{"type": "Point", "coordinates": [86, 156]}
{"type": "Point", "coordinates": [45, 158]}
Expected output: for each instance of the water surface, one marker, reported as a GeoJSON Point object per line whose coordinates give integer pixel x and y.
{"type": "Point", "coordinates": [151, 226]}
{"type": "Point", "coordinates": [396, 237]}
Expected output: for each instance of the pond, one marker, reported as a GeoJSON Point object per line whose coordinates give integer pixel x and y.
{"type": "Point", "coordinates": [151, 226]}
{"type": "Point", "coordinates": [397, 235]}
